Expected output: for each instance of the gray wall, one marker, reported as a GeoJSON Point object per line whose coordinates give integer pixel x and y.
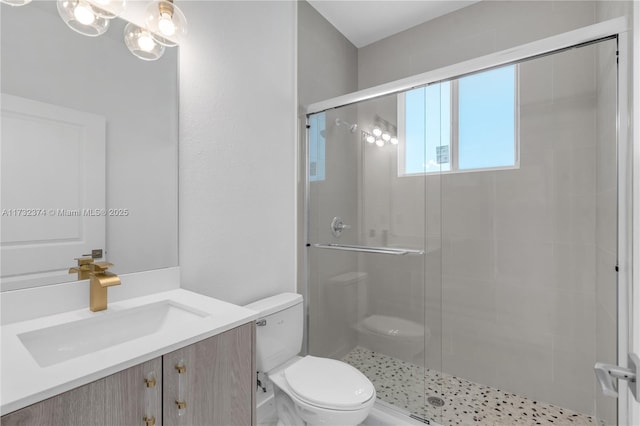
{"type": "Point", "coordinates": [327, 67]}
{"type": "Point", "coordinates": [327, 61]}
{"type": "Point", "coordinates": [237, 149]}
{"type": "Point", "coordinates": [484, 27]}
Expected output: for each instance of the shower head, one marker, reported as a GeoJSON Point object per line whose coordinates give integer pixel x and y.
{"type": "Point", "coordinates": [352, 127]}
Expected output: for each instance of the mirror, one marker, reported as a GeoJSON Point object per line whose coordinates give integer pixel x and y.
{"type": "Point", "coordinates": [45, 63]}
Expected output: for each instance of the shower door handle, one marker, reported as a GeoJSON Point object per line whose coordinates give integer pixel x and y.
{"type": "Point", "coordinates": [606, 373]}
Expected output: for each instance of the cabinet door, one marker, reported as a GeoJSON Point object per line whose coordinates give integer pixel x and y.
{"type": "Point", "coordinates": [216, 384]}
{"type": "Point", "coordinates": [119, 399]}
{"type": "Point", "coordinates": [81, 406]}
{"type": "Point", "coordinates": [130, 396]}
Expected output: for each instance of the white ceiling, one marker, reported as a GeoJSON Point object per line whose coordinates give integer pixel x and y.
{"type": "Point", "coordinates": [364, 21]}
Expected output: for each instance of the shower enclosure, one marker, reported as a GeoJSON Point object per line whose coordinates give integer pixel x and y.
{"type": "Point", "coordinates": [463, 237]}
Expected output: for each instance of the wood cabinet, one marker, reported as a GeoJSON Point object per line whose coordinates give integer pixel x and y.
{"type": "Point", "coordinates": [118, 399]}
{"type": "Point", "coordinates": [216, 382]}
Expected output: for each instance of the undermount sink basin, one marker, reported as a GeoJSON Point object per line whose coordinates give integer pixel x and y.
{"type": "Point", "coordinates": [59, 343]}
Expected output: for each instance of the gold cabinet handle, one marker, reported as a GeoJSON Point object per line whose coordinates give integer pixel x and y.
{"type": "Point", "coordinates": [150, 399]}
{"type": "Point", "coordinates": [182, 378]}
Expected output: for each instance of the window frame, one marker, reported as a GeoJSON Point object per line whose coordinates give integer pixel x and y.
{"type": "Point", "coordinates": [453, 131]}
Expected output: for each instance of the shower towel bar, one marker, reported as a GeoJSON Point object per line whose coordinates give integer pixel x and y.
{"type": "Point", "coordinates": [367, 249]}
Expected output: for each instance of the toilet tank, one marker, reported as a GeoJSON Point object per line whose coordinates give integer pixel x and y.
{"type": "Point", "coordinates": [279, 329]}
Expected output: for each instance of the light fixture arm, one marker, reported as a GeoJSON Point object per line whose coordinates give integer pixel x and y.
{"type": "Point", "coordinates": [166, 7]}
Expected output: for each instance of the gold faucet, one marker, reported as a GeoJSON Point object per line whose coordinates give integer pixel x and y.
{"type": "Point", "coordinates": [100, 279]}
{"type": "Point", "coordinates": [83, 269]}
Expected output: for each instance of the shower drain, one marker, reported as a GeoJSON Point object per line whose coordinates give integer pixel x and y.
{"type": "Point", "coordinates": [435, 401]}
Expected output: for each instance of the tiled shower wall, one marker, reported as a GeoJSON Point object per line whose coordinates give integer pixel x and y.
{"type": "Point", "coordinates": [519, 249]}
{"type": "Point", "coordinates": [511, 297]}
{"type": "Point", "coordinates": [516, 248]}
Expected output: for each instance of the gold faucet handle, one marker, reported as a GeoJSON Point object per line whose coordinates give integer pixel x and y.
{"type": "Point", "coordinates": [83, 269]}
{"type": "Point", "coordinates": [99, 267]}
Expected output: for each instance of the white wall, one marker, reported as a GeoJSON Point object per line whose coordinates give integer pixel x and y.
{"type": "Point", "coordinates": [238, 149]}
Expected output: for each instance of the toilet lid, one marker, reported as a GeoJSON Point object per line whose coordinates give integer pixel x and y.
{"type": "Point", "coordinates": [328, 383]}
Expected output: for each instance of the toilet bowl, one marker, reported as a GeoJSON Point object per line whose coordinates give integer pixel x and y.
{"type": "Point", "coordinates": [308, 390]}
{"type": "Point", "coordinates": [324, 391]}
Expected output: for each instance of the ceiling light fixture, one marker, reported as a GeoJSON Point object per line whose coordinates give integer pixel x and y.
{"type": "Point", "coordinates": [15, 2]}
{"type": "Point", "coordinates": [109, 9]}
{"type": "Point", "coordinates": [82, 17]}
{"type": "Point", "coordinates": [382, 133]}
{"type": "Point", "coordinates": [164, 25]}
{"type": "Point", "coordinates": [141, 43]}
{"type": "Point", "coordinates": [166, 22]}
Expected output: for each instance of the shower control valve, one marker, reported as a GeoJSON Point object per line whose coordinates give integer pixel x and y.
{"type": "Point", "coordinates": [337, 226]}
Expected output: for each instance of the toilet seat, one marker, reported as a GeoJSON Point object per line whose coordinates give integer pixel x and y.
{"type": "Point", "coordinates": [328, 383]}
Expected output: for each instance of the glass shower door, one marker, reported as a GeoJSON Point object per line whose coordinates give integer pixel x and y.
{"type": "Point", "coordinates": [529, 246]}
{"type": "Point", "coordinates": [367, 252]}
{"type": "Point", "coordinates": [463, 239]}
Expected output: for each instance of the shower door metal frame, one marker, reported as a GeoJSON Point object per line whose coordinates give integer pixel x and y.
{"type": "Point", "coordinates": [628, 161]}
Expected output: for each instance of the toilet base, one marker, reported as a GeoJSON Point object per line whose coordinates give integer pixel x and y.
{"type": "Point", "coordinates": [292, 411]}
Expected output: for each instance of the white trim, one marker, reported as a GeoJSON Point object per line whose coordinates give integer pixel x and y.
{"type": "Point", "coordinates": [295, 128]}
{"type": "Point", "coordinates": [633, 409]}
{"type": "Point", "coordinates": [540, 47]}
{"type": "Point", "coordinates": [624, 222]}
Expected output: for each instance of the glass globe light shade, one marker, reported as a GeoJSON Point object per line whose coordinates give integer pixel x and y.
{"type": "Point", "coordinates": [386, 137]}
{"type": "Point", "coordinates": [166, 22]}
{"type": "Point", "coordinates": [379, 142]}
{"type": "Point", "coordinates": [108, 9]}
{"type": "Point", "coordinates": [15, 2]}
{"type": "Point", "coordinates": [81, 16]}
{"type": "Point", "coordinates": [376, 132]}
{"type": "Point", "coordinates": [394, 140]}
{"type": "Point", "coordinates": [141, 43]}
{"type": "Point", "coordinates": [370, 139]}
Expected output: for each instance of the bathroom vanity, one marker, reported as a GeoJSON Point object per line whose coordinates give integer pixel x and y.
{"type": "Point", "coordinates": [216, 376]}
{"type": "Point", "coordinates": [169, 357]}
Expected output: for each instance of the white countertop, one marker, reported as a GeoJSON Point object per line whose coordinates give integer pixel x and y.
{"type": "Point", "coordinates": [25, 382]}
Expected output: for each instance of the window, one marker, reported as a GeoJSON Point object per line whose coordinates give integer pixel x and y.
{"type": "Point", "coordinates": [316, 147]}
{"type": "Point", "coordinates": [460, 125]}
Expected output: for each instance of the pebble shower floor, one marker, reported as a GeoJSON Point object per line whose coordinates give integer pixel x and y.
{"type": "Point", "coordinates": [465, 403]}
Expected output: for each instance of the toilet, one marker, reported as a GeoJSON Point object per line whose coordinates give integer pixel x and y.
{"type": "Point", "coordinates": [308, 390]}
